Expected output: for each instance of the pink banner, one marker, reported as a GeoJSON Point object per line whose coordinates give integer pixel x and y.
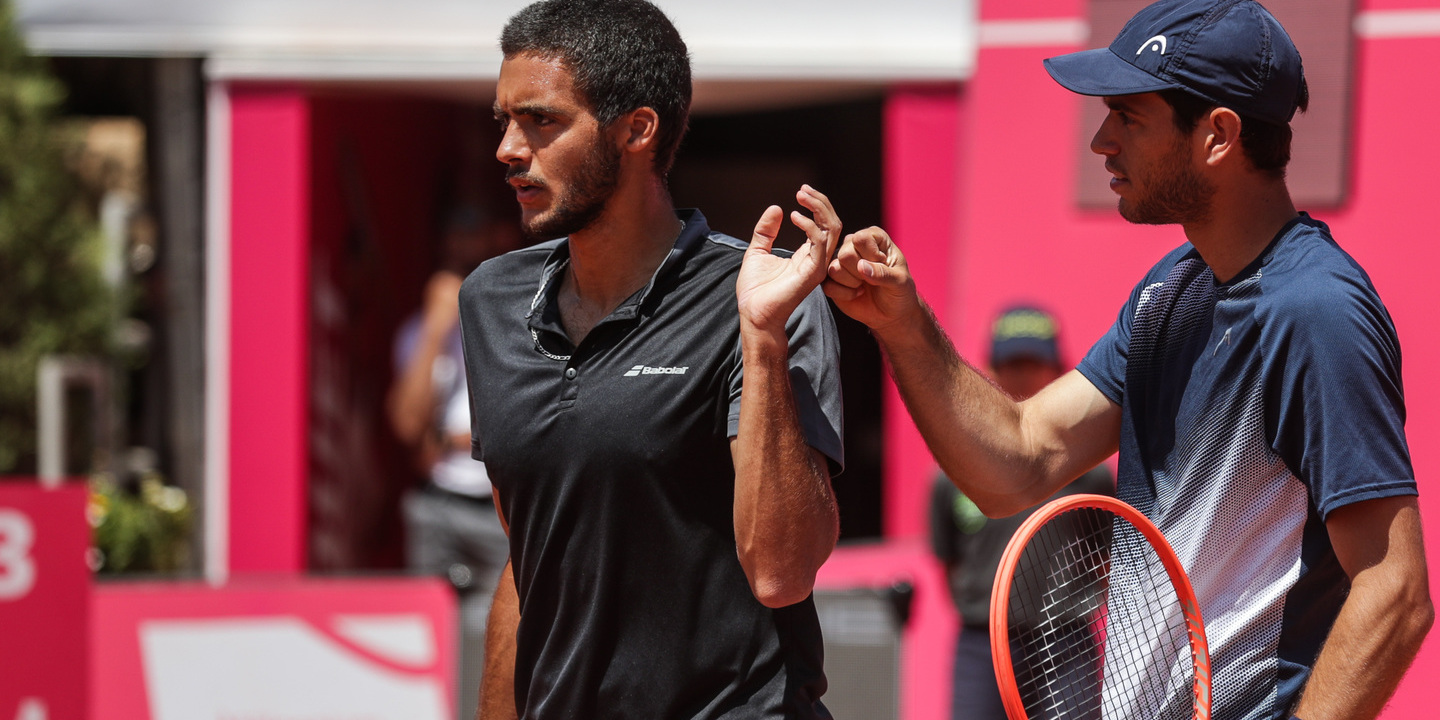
{"type": "Point", "coordinates": [44, 601]}
{"type": "Point", "coordinates": [298, 649]}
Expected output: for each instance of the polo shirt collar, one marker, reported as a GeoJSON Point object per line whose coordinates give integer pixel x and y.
{"type": "Point", "coordinates": [544, 314]}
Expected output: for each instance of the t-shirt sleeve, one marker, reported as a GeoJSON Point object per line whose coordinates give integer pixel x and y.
{"type": "Point", "coordinates": [470, 328]}
{"type": "Point", "coordinates": [1337, 415]}
{"type": "Point", "coordinates": [814, 378]}
{"type": "Point", "coordinates": [1104, 365]}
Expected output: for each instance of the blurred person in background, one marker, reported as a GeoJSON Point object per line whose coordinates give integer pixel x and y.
{"type": "Point", "coordinates": [1024, 357]}
{"type": "Point", "coordinates": [451, 529]}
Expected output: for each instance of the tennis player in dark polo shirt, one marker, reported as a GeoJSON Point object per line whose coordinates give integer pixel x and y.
{"type": "Point", "coordinates": [665, 527]}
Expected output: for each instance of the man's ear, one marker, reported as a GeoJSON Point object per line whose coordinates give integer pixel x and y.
{"type": "Point", "coordinates": [1221, 132]}
{"type": "Point", "coordinates": [637, 130]}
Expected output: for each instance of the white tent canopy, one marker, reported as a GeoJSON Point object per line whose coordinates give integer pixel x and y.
{"type": "Point", "coordinates": [450, 40]}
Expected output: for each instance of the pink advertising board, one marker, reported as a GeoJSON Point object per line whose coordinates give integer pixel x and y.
{"type": "Point", "coordinates": [44, 599]}
{"type": "Point", "coordinates": [300, 649]}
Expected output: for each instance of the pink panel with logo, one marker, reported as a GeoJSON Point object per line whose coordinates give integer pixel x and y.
{"type": "Point", "coordinates": [375, 649]}
{"type": "Point", "coordinates": [44, 601]}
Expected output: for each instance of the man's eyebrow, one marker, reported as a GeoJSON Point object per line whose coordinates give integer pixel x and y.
{"type": "Point", "coordinates": [527, 109]}
{"type": "Point", "coordinates": [1117, 102]}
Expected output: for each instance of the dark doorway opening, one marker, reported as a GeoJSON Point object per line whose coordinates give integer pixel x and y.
{"type": "Point", "coordinates": [733, 166]}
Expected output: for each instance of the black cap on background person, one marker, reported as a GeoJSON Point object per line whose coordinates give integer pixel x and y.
{"type": "Point", "coordinates": [1024, 350]}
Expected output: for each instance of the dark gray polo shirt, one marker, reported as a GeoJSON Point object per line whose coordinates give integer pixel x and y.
{"type": "Point", "coordinates": [612, 461]}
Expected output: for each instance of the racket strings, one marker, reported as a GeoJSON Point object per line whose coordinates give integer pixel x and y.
{"type": "Point", "coordinates": [1057, 610]}
{"type": "Point", "coordinates": [1149, 668]}
{"type": "Point", "coordinates": [1095, 626]}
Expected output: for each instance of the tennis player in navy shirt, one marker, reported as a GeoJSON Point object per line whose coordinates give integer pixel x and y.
{"type": "Point", "coordinates": [1251, 383]}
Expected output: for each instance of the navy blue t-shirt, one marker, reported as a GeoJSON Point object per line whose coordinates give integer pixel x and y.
{"type": "Point", "coordinates": [1253, 409]}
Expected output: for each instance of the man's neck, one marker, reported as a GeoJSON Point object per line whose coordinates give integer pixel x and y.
{"type": "Point", "coordinates": [1242, 223]}
{"type": "Point", "coordinates": [617, 255]}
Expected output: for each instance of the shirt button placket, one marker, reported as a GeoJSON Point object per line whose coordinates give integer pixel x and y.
{"type": "Point", "coordinates": [570, 390]}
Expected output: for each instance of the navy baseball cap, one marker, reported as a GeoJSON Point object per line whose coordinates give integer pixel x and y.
{"type": "Point", "coordinates": [1233, 53]}
{"type": "Point", "coordinates": [1024, 332]}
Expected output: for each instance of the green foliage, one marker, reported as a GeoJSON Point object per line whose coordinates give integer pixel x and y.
{"type": "Point", "coordinates": [145, 530]}
{"type": "Point", "coordinates": [52, 296]}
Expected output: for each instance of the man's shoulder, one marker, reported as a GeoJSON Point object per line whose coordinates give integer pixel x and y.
{"type": "Point", "coordinates": [530, 256]}
{"type": "Point", "coordinates": [1308, 272]}
{"type": "Point", "coordinates": [722, 254]}
{"type": "Point", "coordinates": [1167, 262]}
{"type": "Point", "coordinates": [505, 273]}
{"type": "Point", "coordinates": [721, 240]}
{"type": "Point", "coordinates": [1313, 294]}
{"type": "Point", "coordinates": [1310, 254]}
{"type": "Point", "coordinates": [1154, 279]}
{"type": "Point", "coordinates": [730, 249]}
{"type": "Point", "coordinates": [1181, 252]}
{"type": "Point", "coordinates": [709, 264]}
{"type": "Point", "coordinates": [719, 253]}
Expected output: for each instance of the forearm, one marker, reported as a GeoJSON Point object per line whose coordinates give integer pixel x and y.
{"type": "Point", "coordinates": [786, 520]}
{"type": "Point", "coordinates": [497, 684]}
{"type": "Point", "coordinates": [411, 404]}
{"type": "Point", "coordinates": [977, 433]}
{"type": "Point", "coordinates": [1373, 642]}
{"type": "Point", "coordinates": [1378, 631]}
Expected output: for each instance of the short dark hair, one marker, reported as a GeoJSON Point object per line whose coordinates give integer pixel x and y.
{"type": "Point", "coordinates": [623, 55]}
{"type": "Point", "coordinates": [1266, 144]}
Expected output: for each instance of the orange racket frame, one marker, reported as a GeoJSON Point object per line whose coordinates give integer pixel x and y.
{"type": "Point", "coordinates": [1000, 597]}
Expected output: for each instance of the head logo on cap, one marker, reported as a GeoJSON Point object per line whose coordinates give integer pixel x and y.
{"type": "Point", "coordinates": [1232, 53]}
{"type": "Point", "coordinates": [1155, 43]}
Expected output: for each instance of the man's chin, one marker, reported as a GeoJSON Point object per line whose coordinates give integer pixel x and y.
{"type": "Point", "coordinates": [535, 236]}
{"type": "Point", "coordinates": [562, 221]}
{"type": "Point", "coordinates": [1128, 213]}
{"type": "Point", "coordinates": [538, 227]}
{"type": "Point", "coordinates": [1136, 215]}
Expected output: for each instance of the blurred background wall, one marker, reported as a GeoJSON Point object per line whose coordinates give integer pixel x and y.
{"type": "Point", "coordinates": [293, 161]}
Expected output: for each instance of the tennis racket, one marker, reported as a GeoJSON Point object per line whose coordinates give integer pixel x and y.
{"type": "Point", "coordinates": [1092, 616]}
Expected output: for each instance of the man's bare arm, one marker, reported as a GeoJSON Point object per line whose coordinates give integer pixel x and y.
{"type": "Point", "coordinates": [497, 683]}
{"type": "Point", "coordinates": [410, 406]}
{"type": "Point", "coordinates": [786, 519]}
{"type": "Point", "coordinates": [1006, 456]}
{"type": "Point", "coordinates": [1385, 617]}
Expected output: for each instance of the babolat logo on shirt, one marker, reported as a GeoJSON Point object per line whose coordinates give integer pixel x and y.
{"type": "Point", "coordinates": [647, 370]}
